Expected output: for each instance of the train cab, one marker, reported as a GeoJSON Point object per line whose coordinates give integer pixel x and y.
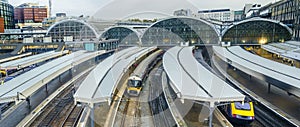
{"type": "Point", "coordinates": [3, 73]}
{"type": "Point", "coordinates": [240, 112]}
{"type": "Point", "coordinates": [134, 85]}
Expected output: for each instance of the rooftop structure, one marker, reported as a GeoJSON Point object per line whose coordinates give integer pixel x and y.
{"type": "Point", "coordinates": [217, 14]}
{"type": "Point", "coordinates": [257, 31]}
{"type": "Point", "coordinates": [193, 81]}
{"type": "Point", "coordinates": [126, 36]}
{"type": "Point", "coordinates": [23, 86]}
{"type": "Point", "coordinates": [280, 75]}
{"type": "Point", "coordinates": [30, 60]}
{"type": "Point", "coordinates": [99, 86]}
{"type": "Point", "coordinates": [80, 30]}
{"type": "Point", "coordinates": [174, 30]}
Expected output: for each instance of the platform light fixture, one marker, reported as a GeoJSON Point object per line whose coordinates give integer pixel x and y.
{"type": "Point", "coordinates": [262, 41]}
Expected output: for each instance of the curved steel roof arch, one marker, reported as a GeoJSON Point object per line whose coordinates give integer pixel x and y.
{"type": "Point", "coordinates": [73, 20]}
{"type": "Point", "coordinates": [257, 31]}
{"type": "Point", "coordinates": [133, 30]}
{"type": "Point", "coordinates": [202, 20]}
{"type": "Point", "coordinates": [257, 19]}
{"type": "Point", "coordinates": [138, 35]}
{"type": "Point", "coordinates": [183, 17]}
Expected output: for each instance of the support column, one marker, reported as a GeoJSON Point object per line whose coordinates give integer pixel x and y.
{"type": "Point", "coordinates": [26, 98]}
{"type": "Point", "coordinates": [28, 102]}
{"type": "Point", "coordinates": [46, 86]}
{"type": "Point", "coordinates": [59, 79]}
{"type": "Point", "coordinates": [269, 87]}
{"type": "Point", "coordinates": [70, 71]}
{"type": "Point", "coordinates": [92, 115]}
{"type": "Point", "coordinates": [250, 77]}
{"type": "Point", "coordinates": [210, 117]}
{"type": "Point", "coordinates": [211, 111]}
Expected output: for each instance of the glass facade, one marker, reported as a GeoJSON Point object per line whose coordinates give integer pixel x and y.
{"type": "Point", "coordinates": [288, 12]}
{"type": "Point", "coordinates": [174, 31]}
{"type": "Point", "coordinates": [7, 12]}
{"type": "Point", "coordinates": [256, 32]}
{"type": "Point", "coordinates": [78, 29]}
{"type": "Point", "coordinates": [284, 12]}
{"type": "Point", "coordinates": [125, 35]}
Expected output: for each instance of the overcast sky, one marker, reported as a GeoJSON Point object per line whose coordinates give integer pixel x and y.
{"type": "Point", "coordinates": [90, 7]}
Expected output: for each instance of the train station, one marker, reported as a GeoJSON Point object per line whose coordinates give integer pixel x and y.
{"type": "Point", "coordinates": [170, 70]}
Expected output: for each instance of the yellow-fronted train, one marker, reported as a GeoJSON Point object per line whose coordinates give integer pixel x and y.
{"type": "Point", "coordinates": [134, 85]}
{"type": "Point", "coordinates": [240, 113]}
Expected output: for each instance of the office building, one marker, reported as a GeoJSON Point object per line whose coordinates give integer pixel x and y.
{"type": "Point", "coordinates": [30, 13]}
{"type": "Point", "coordinates": [7, 13]}
{"type": "Point", "coordinates": [183, 12]}
{"type": "Point", "coordinates": [238, 15]}
{"type": "Point", "coordinates": [1, 25]}
{"type": "Point", "coordinates": [287, 12]}
{"type": "Point", "coordinates": [217, 14]}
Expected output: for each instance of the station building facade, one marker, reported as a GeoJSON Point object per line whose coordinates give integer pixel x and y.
{"type": "Point", "coordinates": [175, 31]}
{"type": "Point", "coordinates": [257, 31]}
{"type": "Point", "coordinates": [78, 29]}
{"type": "Point", "coordinates": [126, 36]}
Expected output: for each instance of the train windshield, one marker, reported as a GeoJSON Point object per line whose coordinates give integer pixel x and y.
{"type": "Point", "coordinates": [134, 83]}
{"type": "Point", "coordinates": [240, 106]}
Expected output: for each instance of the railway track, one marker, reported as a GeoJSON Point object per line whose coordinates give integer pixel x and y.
{"type": "Point", "coordinates": [162, 116]}
{"type": "Point", "coordinates": [131, 113]}
{"type": "Point", "coordinates": [50, 114]}
{"type": "Point", "coordinates": [54, 114]}
{"type": "Point", "coordinates": [264, 116]}
{"type": "Point", "coordinates": [72, 117]}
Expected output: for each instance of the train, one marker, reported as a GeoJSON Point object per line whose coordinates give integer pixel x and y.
{"type": "Point", "coordinates": [134, 85]}
{"type": "Point", "coordinates": [240, 113]}
{"type": "Point", "coordinates": [136, 79]}
{"type": "Point", "coordinates": [8, 74]}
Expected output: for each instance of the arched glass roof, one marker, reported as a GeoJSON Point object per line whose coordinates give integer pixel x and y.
{"type": "Point", "coordinates": [126, 36]}
{"type": "Point", "coordinates": [79, 29]}
{"type": "Point", "coordinates": [257, 31]}
{"type": "Point", "coordinates": [173, 31]}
